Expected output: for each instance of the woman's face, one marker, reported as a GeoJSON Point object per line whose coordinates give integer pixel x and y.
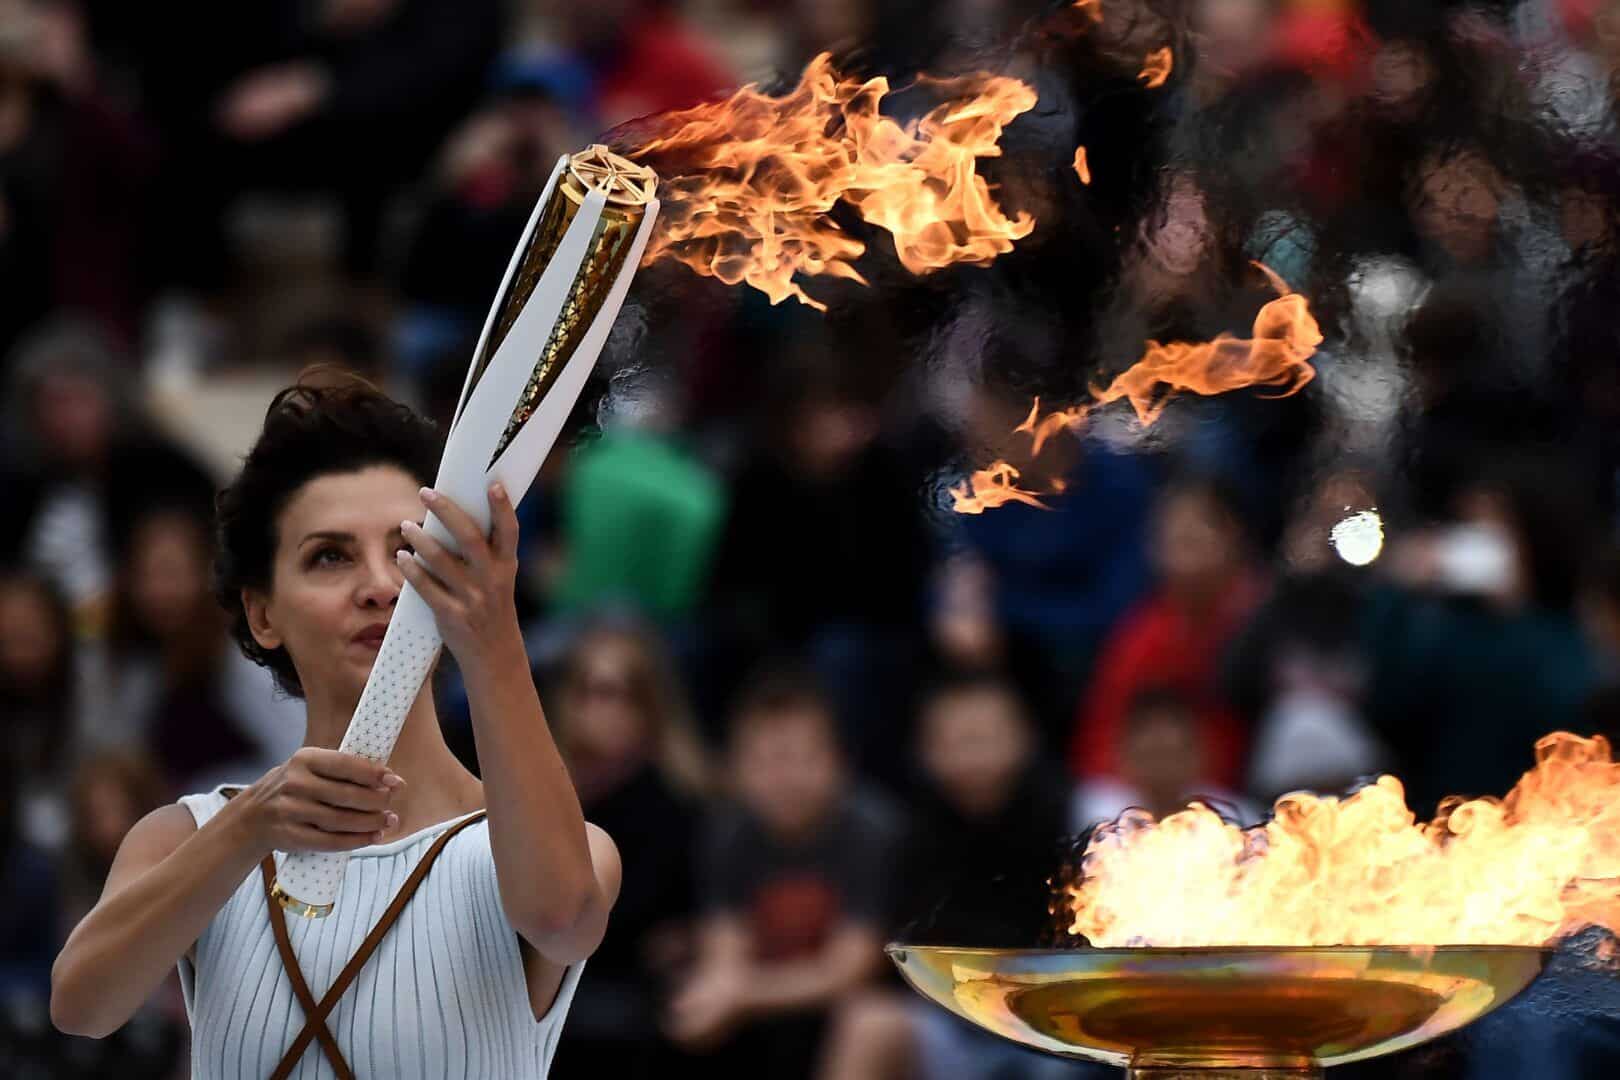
{"type": "Point", "coordinates": [605, 722]}
{"type": "Point", "coordinates": [334, 579]}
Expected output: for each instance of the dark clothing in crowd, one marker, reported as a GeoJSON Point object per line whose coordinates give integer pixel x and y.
{"type": "Point", "coordinates": [1461, 693]}
{"type": "Point", "coordinates": [801, 553]}
{"type": "Point", "coordinates": [832, 568]}
{"type": "Point", "coordinates": [792, 896]}
{"type": "Point", "coordinates": [1064, 575]}
{"type": "Point", "coordinates": [983, 880]}
{"type": "Point", "coordinates": [71, 193]}
{"type": "Point", "coordinates": [397, 87]}
{"type": "Point", "coordinates": [616, 1012]}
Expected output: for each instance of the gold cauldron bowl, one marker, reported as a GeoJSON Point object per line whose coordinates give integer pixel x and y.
{"type": "Point", "coordinates": [1221, 1013]}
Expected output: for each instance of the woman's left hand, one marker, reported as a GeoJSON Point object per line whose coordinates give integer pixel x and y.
{"type": "Point", "coordinates": [471, 593]}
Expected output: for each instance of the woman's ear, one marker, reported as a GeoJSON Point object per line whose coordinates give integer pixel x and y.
{"type": "Point", "coordinates": [257, 607]}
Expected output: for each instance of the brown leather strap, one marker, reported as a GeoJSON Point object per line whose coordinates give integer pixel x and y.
{"type": "Point", "coordinates": [295, 974]}
{"type": "Point", "coordinates": [315, 1015]}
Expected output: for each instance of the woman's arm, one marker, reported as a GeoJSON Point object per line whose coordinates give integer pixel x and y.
{"type": "Point", "coordinates": [166, 884]}
{"type": "Point", "coordinates": [558, 876]}
{"type": "Point", "coordinates": [170, 879]}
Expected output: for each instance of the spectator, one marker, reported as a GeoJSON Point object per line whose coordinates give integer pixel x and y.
{"type": "Point", "coordinates": [1165, 763]}
{"type": "Point", "coordinates": [182, 691]}
{"type": "Point", "coordinates": [640, 518]}
{"type": "Point", "coordinates": [1043, 586]}
{"type": "Point", "coordinates": [825, 553]}
{"type": "Point", "coordinates": [643, 58]}
{"type": "Point", "coordinates": [1177, 636]}
{"type": "Point", "coordinates": [1295, 672]}
{"type": "Point", "coordinates": [285, 95]}
{"type": "Point", "coordinates": [74, 176]}
{"type": "Point", "coordinates": [38, 698]}
{"type": "Point", "coordinates": [1473, 647]}
{"type": "Point", "coordinates": [974, 869]}
{"type": "Point", "coordinates": [87, 462]}
{"type": "Point", "coordinates": [622, 726]}
{"type": "Point", "coordinates": [110, 793]}
{"type": "Point", "coordinates": [798, 875]}
{"type": "Point", "coordinates": [29, 935]}
{"type": "Point", "coordinates": [990, 815]}
{"type": "Point", "coordinates": [482, 192]}
{"type": "Point", "coordinates": [29, 925]}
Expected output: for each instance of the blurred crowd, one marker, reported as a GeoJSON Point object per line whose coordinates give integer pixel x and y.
{"type": "Point", "coordinates": [817, 710]}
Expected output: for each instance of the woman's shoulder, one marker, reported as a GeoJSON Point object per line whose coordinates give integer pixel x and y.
{"type": "Point", "coordinates": [201, 806]}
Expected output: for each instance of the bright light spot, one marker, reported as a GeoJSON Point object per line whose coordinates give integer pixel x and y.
{"type": "Point", "coordinates": [1359, 538]}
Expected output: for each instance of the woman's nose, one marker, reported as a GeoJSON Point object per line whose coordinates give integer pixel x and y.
{"type": "Point", "coordinates": [382, 583]}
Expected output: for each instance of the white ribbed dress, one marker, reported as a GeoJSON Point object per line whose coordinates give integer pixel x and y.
{"type": "Point", "coordinates": [443, 997]}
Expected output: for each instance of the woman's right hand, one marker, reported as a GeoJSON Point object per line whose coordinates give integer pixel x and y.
{"type": "Point", "coordinates": [321, 800]}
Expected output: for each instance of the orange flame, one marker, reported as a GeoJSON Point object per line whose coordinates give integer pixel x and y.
{"type": "Point", "coordinates": [990, 488]}
{"type": "Point", "coordinates": [1082, 166]}
{"type": "Point", "coordinates": [754, 179]}
{"type": "Point", "coordinates": [1286, 336]}
{"type": "Point", "coordinates": [1157, 67]}
{"type": "Point", "coordinates": [1542, 863]}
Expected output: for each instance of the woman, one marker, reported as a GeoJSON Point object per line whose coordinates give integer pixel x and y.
{"type": "Point", "coordinates": [477, 973]}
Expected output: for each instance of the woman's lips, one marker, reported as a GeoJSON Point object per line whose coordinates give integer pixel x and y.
{"type": "Point", "coordinates": [371, 637]}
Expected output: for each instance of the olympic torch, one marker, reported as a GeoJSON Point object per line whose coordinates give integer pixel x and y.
{"type": "Point", "coordinates": [563, 288]}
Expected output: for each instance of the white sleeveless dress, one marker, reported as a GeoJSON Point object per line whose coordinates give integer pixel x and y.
{"type": "Point", "coordinates": [443, 997]}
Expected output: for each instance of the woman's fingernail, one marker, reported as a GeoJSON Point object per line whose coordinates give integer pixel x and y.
{"type": "Point", "coordinates": [376, 837]}
{"type": "Point", "coordinates": [393, 780]}
{"type": "Point", "coordinates": [392, 819]}
{"type": "Point", "coordinates": [402, 556]}
{"type": "Point", "coordinates": [498, 490]}
{"type": "Point", "coordinates": [429, 495]}
{"type": "Point", "coordinates": [407, 527]}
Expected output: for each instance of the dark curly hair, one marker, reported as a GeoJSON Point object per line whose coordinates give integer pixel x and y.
{"type": "Point", "coordinates": [312, 429]}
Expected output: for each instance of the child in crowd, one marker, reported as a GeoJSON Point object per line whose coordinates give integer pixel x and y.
{"type": "Point", "coordinates": [798, 884]}
{"type": "Point", "coordinates": [983, 842]}
{"type": "Point", "coordinates": [1164, 764]}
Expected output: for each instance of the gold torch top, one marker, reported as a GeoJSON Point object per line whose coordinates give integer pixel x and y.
{"type": "Point", "coordinates": [623, 182]}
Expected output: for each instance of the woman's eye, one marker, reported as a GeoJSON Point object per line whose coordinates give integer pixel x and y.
{"type": "Point", "coordinates": [327, 557]}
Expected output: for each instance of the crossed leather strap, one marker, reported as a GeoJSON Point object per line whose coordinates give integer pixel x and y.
{"type": "Point", "coordinates": [315, 1014]}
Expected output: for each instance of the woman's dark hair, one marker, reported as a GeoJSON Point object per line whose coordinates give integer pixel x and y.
{"type": "Point", "coordinates": [310, 431]}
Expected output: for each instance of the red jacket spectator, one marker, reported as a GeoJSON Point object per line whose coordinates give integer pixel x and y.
{"type": "Point", "coordinates": [1175, 637]}
{"type": "Point", "coordinates": [1161, 643]}
{"type": "Point", "coordinates": [659, 65]}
